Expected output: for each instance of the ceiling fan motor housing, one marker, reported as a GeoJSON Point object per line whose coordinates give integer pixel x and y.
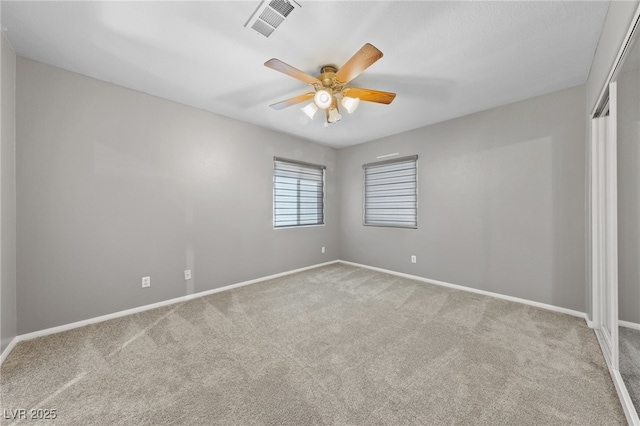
{"type": "Point", "coordinates": [328, 76]}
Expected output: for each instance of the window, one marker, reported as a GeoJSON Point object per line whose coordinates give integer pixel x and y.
{"type": "Point", "coordinates": [391, 193]}
{"type": "Point", "coordinates": [298, 193]}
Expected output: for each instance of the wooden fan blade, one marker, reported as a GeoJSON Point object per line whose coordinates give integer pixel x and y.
{"type": "Point", "coordinates": [359, 62]}
{"type": "Point", "coordinates": [287, 69]}
{"type": "Point", "coordinates": [369, 95]}
{"type": "Point", "coordinates": [284, 104]}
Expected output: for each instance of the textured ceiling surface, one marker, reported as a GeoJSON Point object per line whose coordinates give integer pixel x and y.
{"type": "Point", "coordinates": [443, 59]}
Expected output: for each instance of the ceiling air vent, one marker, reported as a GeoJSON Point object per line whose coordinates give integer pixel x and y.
{"type": "Point", "coordinates": [269, 15]}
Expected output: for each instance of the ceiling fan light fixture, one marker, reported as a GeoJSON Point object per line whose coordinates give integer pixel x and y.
{"type": "Point", "coordinates": [310, 110]}
{"type": "Point", "coordinates": [323, 99]}
{"type": "Point", "coordinates": [350, 104]}
{"type": "Point", "coordinates": [334, 115]}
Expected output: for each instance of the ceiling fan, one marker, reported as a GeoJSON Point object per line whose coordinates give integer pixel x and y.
{"type": "Point", "coordinates": [331, 86]}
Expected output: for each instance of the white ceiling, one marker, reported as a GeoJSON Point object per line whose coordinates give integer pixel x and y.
{"type": "Point", "coordinates": [443, 59]}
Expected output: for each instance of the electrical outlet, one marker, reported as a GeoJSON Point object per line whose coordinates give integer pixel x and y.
{"type": "Point", "coordinates": [187, 274]}
{"type": "Point", "coordinates": [146, 282]}
{"type": "Point", "coordinates": [413, 258]}
{"type": "Point", "coordinates": [323, 249]}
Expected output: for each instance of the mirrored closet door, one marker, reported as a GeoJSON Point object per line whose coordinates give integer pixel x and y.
{"type": "Point", "coordinates": [627, 80]}
{"type": "Point", "coordinates": [614, 235]}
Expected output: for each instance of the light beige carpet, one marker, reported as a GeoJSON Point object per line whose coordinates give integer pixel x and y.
{"type": "Point", "coordinates": [332, 345]}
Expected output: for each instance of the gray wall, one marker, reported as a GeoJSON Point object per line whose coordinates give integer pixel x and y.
{"type": "Point", "coordinates": [501, 201]}
{"type": "Point", "coordinates": [616, 26]}
{"type": "Point", "coordinates": [114, 185]}
{"type": "Point", "coordinates": [8, 316]}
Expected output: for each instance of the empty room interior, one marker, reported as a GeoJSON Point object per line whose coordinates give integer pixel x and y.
{"type": "Point", "coordinates": [320, 212]}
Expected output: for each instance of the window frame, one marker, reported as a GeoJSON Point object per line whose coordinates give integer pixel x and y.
{"type": "Point", "coordinates": [301, 164]}
{"type": "Point", "coordinates": [364, 191]}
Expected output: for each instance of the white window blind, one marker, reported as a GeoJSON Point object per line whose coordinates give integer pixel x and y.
{"type": "Point", "coordinates": [391, 193]}
{"type": "Point", "coordinates": [298, 193]}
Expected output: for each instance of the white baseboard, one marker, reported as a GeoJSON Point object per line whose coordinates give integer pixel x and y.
{"type": "Point", "coordinates": [629, 324]}
{"type": "Point", "coordinates": [474, 290]}
{"type": "Point", "coordinates": [8, 349]}
{"type": "Point", "coordinates": [95, 320]}
{"type": "Point", "coordinates": [119, 314]}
